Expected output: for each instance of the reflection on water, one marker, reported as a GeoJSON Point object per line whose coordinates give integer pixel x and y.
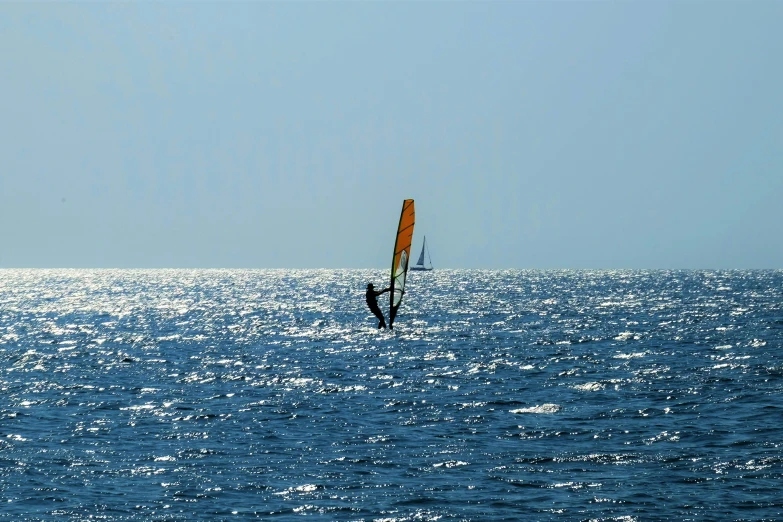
{"type": "Point", "coordinates": [182, 394]}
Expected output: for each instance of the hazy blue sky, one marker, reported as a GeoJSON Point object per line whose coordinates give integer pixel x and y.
{"type": "Point", "coordinates": [532, 134]}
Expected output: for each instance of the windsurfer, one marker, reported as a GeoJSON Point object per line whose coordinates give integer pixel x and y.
{"type": "Point", "coordinates": [372, 303]}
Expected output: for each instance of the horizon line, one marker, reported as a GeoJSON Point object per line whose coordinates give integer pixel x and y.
{"type": "Point", "coordinates": [377, 268]}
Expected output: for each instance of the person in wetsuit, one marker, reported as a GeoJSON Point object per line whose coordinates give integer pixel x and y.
{"type": "Point", "coordinates": [372, 302]}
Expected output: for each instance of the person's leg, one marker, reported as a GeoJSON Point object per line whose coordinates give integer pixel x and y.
{"type": "Point", "coordinates": [379, 315]}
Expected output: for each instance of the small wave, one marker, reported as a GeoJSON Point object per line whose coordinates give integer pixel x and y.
{"type": "Point", "coordinates": [450, 464]}
{"type": "Point", "coordinates": [305, 488]}
{"type": "Point", "coordinates": [543, 408]}
{"type": "Point", "coordinates": [664, 436]}
{"type": "Point", "coordinates": [590, 386]}
{"type": "Point", "coordinates": [475, 404]}
{"type": "Point", "coordinates": [630, 355]}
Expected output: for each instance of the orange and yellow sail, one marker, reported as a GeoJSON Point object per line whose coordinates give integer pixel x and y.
{"type": "Point", "coordinates": [402, 253]}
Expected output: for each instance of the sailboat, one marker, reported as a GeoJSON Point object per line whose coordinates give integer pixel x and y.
{"type": "Point", "coordinates": [420, 263]}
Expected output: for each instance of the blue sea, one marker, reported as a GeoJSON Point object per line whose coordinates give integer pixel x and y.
{"type": "Point", "coordinates": [499, 395]}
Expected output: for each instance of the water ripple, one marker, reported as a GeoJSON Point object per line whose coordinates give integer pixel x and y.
{"type": "Point", "coordinates": [500, 395]}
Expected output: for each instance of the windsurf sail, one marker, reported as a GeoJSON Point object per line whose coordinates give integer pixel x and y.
{"type": "Point", "coordinates": [402, 251]}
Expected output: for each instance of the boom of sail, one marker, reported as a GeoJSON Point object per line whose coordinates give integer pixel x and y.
{"type": "Point", "coordinates": [402, 252]}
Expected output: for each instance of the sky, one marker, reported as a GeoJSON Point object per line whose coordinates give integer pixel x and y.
{"type": "Point", "coordinates": [531, 134]}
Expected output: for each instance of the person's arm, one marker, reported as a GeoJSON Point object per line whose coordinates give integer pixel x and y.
{"type": "Point", "coordinates": [384, 291]}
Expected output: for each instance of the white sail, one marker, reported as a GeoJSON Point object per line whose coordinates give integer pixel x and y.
{"type": "Point", "coordinates": [421, 256]}
{"type": "Point", "coordinates": [420, 263]}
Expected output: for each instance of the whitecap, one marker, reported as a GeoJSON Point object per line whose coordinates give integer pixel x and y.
{"type": "Point", "coordinates": [305, 488]}
{"type": "Point", "coordinates": [166, 458]}
{"type": "Point", "coordinates": [630, 355]}
{"type": "Point", "coordinates": [451, 464]}
{"type": "Point", "coordinates": [590, 386]}
{"type": "Point", "coordinates": [543, 408]}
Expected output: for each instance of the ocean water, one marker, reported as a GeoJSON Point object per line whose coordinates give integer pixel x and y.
{"type": "Point", "coordinates": [500, 395]}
